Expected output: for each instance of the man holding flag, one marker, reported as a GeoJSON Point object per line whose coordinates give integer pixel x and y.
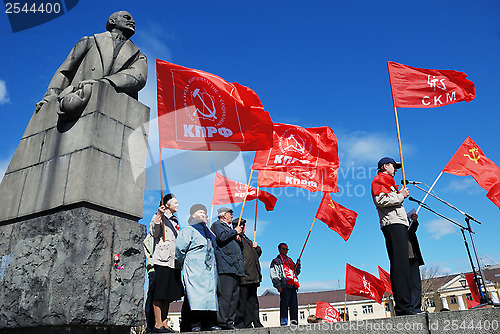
{"type": "Point", "coordinates": [284, 277]}
{"type": "Point", "coordinates": [394, 224]}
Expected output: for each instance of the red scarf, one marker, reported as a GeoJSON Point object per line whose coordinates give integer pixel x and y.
{"type": "Point", "coordinates": [289, 271]}
{"type": "Point", "coordinates": [382, 183]}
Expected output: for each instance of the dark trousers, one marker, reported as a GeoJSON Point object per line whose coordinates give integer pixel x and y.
{"type": "Point", "coordinates": [415, 284]}
{"type": "Point", "coordinates": [229, 294]}
{"type": "Point", "coordinates": [288, 300]}
{"type": "Point", "coordinates": [248, 307]}
{"type": "Point", "coordinates": [148, 305]}
{"type": "Point", "coordinates": [396, 242]}
{"type": "Point", "coordinates": [196, 318]}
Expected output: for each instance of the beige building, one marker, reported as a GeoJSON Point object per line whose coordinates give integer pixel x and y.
{"type": "Point", "coordinates": [449, 292]}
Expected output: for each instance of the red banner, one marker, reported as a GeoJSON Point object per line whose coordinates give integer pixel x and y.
{"type": "Point", "coordinates": [201, 111]}
{"type": "Point", "coordinates": [327, 312]}
{"type": "Point", "coordinates": [361, 283]}
{"type": "Point", "coordinates": [337, 217]}
{"type": "Point", "coordinates": [227, 191]}
{"type": "Point", "coordinates": [296, 147]}
{"type": "Point", "coordinates": [474, 291]}
{"type": "Point", "coordinates": [319, 179]}
{"type": "Point", "coordinates": [470, 160]}
{"type": "Point", "coordinates": [414, 87]}
{"type": "Point", "coordinates": [386, 278]}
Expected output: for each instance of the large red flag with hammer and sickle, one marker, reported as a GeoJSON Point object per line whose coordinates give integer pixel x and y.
{"type": "Point", "coordinates": [338, 218]}
{"type": "Point", "coordinates": [201, 111]}
{"type": "Point", "coordinates": [228, 191]}
{"type": "Point", "coordinates": [361, 283]}
{"type": "Point", "coordinates": [296, 147]}
{"type": "Point", "coordinates": [470, 160]}
{"type": "Point", "coordinates": [414, 87]}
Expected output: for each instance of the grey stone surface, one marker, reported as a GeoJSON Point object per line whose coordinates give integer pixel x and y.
{"type": "Point", "coordinates": [100, 159]}
{"type": "Point", "coordinates": [61, 270]}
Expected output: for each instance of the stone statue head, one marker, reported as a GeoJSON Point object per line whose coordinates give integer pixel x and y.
{"type": "Point", "coordinates": [123, 22]}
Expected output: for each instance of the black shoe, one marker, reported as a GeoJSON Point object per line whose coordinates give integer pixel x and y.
{"type": "Point", "coordinates": [196, 329]}
{"type": "Point", "coordinates": [227, 327]}
{"type": "Point", "coordinates": [213, 328]}
{"type": "Point", "coordinates": [162, 329]}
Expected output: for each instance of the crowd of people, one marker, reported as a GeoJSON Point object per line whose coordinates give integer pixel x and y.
{"type": "Point", "coordinates": [221, 270]}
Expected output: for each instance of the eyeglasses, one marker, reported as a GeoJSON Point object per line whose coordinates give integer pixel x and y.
{"type": "Point", "coordinates": [284, 248]}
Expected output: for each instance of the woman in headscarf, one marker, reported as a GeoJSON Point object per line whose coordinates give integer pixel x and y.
{"type": "Point", "coordinates": [164, 229]}
{"type": "Point", "coordinates": [195, 252]}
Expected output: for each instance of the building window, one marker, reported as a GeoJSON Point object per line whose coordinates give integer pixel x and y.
{"type": "Point", "coordinates": [264, 317]}
{"type": "Point", "coordinates": [342, 310]}
{"type": "Point", "coordinates": [367, 309]}
{"type": "Point", "coordinates": [388, 307]}
{"type": "Point", "coordinates": [302, 315]}
{"type": "Point", "coordinates": [429, 302]}
{"type": "Point", "coordinates": [453, 299]}
{"type": "Point", "coordinates": [469, 296]}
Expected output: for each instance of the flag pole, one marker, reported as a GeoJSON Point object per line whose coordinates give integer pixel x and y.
{"type": "Point", "coordinates": [428, 192]}
{"type": "Point", "coordinates": [308, 234]}
{"type": "Point", "coordinates": [256, 207]}
{"type": "Point", "coordinates": [161, 186]}
{"type": "Point", "coordinates": [211, 212]}
{"type": "Point", "coordinates": [397, 128]}
{"type": "Point", "coordinates": [400, 149]}
{"type": "Point", "coordinates": [245, 199]}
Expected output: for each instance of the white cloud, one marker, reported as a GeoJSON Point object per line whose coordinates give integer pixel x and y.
{"type": "Point", "coordinates": [363, 148]}
{"type": "Point", "coordinates": [467, 185]}
{"type": "Point", "coordinates": [4, 95]}
{"type": "Point", "coordinates": [438, 228]}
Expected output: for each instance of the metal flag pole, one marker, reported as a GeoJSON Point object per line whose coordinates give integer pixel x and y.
{"type": "Point", "coordinates": [428, 192]}
{"type": "Point", "coordinates": [245, 199]}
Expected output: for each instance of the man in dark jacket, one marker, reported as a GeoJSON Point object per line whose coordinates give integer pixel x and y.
{"type": "Point", "coordinates": [416, 260]}
{"type": "Point", "coordinates": [229, 266]}
{"type": "Point", "coordinates": [248, 305]}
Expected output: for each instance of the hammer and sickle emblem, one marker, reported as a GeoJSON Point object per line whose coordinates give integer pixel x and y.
{"type": "Point", "coordinates": [473, 151]}
{"type": "Point", "coordinates": [331, 205]}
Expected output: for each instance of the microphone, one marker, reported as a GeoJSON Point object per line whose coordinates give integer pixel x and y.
{"type": "Point", "coordinates": [411, 182]}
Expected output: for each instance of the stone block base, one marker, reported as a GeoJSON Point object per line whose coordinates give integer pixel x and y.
{"type": "Point", "coordinates": [58, 270]}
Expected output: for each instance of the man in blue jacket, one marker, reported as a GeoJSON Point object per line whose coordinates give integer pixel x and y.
{"type": "Point", "coordinates": [229, 266]}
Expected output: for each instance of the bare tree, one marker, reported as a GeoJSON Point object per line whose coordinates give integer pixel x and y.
{"type": "Point", "coordinates": [427, 275]}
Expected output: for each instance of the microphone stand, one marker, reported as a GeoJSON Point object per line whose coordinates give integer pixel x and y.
{"type": "Point", "coordinates": [484, 298]}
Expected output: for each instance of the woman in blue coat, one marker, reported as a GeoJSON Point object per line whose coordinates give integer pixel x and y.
{"type": "Point", "coordinates": [195, 252]}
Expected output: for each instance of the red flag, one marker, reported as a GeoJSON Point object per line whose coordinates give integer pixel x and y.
{"type": "Point", "coordinates": [318, 179]}
{"type": "Point", "coordinates": [471, 304]}
{"type": "Point", "coordinates": [474, 291]}
{"type": "Point", "coordinates": [201, 111]}
{"type": "Point", "coordinates": [227, 191]}
{"type": "Point", "coordinates": [470, 160]}
{"type": "Point", "coordinates": [338, 218]}
{"type": "Point", "coordinates": [414, 87]}
{"type": "Point", "coordinates": [294, 146]}
{"type": "Point", "coordinates": [386, 278]}
{"type": "Point", "coordinates": [361, 283]}
{"type": "Point", "coordinates": [327, 312]}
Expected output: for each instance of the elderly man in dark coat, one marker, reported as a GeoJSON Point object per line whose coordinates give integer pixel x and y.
{"type": "Point", "coordinates": [229, 266]}
{"type": "Point", "coordinates": [247, 313]}
{"type": "Point", "coordinates": [110, 56]}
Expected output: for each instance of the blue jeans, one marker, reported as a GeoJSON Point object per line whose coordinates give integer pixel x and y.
{"type": "Point", "coordinates": [288, 299]}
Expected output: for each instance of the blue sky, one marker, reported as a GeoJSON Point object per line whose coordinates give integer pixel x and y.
{"type": "Point", "coordinates": [313, 63]}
